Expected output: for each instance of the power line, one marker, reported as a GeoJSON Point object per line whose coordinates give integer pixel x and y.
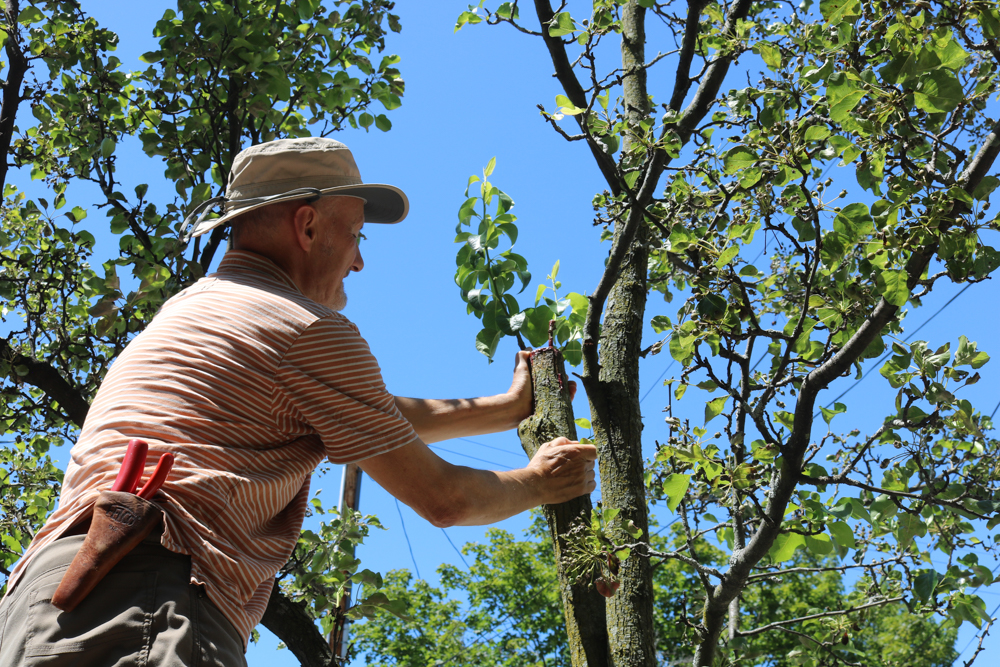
{"type": "Point", "coordinates": [447, 537]}
{"type": "Point", "coordinates": [408, 545]}
{"type": "Point", "coordinates": [674, 361]}
{"type": "Point", "coordinates": [653, 386]}
{"type": "Point", "coordinates": [907, 339]}
{"type": "Point", "coordinates": [474, 458]}
{"type": "Point", "coordinates": [974, 636]}
{"type": "Point", "coordinates": [499, 449]}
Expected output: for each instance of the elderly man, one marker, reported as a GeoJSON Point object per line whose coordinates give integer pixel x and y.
{"type": "Point", "coordinates": [250, 378]}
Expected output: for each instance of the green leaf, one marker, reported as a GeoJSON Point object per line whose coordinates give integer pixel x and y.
{"type": "Point", "coordinates": [29, 15]}
{"type": "Point", "coordinates": [908, 527]}
{"type": "Point", "coordinates": [661, 323]}
{"type": "Point", "coordinates": [567, 107]}
{"type": "Point", "coordinates": [828, 415]}
{"type": "Point", "coordinates": [893, 288]}
{"type": "Point", "coordinates": [486, 342]}
{"type": "Point", "coordinates": [785, 418]}
{"type": "Point", "coordinates": [536, 325]}
{"type": "Point", "coordinates": [383, 123]}
{"type": "Point", "coordinates": [817, 133]}
{"type": "Point", "coordinates": [819, 544]}
{"type": "Point", "coordinates": [985, 188]}
{"type": "Point", "coordinates": [490, 166]}
{"type": "Point", "coordinates": [784, 546]}
{"type": "Point", "coordinates": [674, 487]}
{"type": "Point", "coordinates": [738, 158]}
{"type": "Point", "coordinates": [714, 408]}
{"type": "Point", "coordinates": [770, 54]}
{"type": "Point", "coordinates": [727, 256]}
{"type": "Point", "coordinates": [582, 422]}
{"type": "Point", "coordinates": [712, 307]}
{"type": "Point", "coordinates": [561, 24]}
{"type": "Point", "coordinates": [107, 147]}
{"type": "Point", "coordinates": [841, 111]}
{"type": "Point", "coordinates": [925, 583]}
{"type": "Point", "coordinates": [835, 11]}
{"type": "Point", "coordinates": [968, 355]}
{"type": "Point", "coordinates": [843, 534]}
{"type": "Point", "coordinates": [151, 57]}
{"type": "Point", "coordinates": [938, 92]}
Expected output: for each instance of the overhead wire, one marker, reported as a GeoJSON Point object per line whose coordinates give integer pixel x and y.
{"type": "Point", "coordinates": [474, 458]}
{"type": "Point", "coordinates": [408, 545]}
{"type": "Point", "coordinates": [448, 537]}
{"type": "Point", "coordinates": [907, 339]}
{"type": "Point", "coordinates": [499, 449]}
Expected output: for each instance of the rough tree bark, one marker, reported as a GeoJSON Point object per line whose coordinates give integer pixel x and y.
{"type": "Point", "coordinates": [583, 606]}
{"type": "Point", "coordinates": [291, 623]}
{"type": "Point", "coordinates": [614, 393]}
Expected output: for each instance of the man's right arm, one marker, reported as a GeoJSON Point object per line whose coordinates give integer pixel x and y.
{"type": "Point", "coordinates": [448, 495]}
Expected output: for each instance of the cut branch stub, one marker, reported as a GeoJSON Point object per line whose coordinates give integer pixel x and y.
{"type": "Point", "coordinates": [553, 417]}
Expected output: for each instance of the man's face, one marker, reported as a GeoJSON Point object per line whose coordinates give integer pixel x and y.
{"type": "Point", "coordinates": [340, 250]}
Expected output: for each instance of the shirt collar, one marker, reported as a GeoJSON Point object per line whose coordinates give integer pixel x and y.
{"type": "Point", "coordinates": [244, 261]}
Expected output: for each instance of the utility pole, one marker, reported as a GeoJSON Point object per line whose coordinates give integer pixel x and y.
{"type": "Point", "coordinates": [350, 498]}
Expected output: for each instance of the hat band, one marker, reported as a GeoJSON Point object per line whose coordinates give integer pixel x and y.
{"type": "Point", "coordinates": [201, 212]}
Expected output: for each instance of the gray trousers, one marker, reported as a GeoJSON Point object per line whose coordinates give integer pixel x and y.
{"type": "Point", "coordinates": [145, 612]}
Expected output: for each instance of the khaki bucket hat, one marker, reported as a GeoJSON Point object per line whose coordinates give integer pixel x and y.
{"type": "Point", "coordinates": [289, 169]}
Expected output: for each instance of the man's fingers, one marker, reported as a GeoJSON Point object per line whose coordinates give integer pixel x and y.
{"type": "Point", "coordinates": [521, 357]}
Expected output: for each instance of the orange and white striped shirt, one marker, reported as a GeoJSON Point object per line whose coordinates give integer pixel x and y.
{"type": "Point", "coordinates": [249, 384]}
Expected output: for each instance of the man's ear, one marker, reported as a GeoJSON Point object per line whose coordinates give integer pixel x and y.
{"type": "Point", "coordinates": [305, 221]}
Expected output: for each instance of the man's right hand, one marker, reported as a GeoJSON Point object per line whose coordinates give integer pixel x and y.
{"type": "Point", "coordinates": [447, 494]}
{"type": "Point", "coordinates": [565, 469]}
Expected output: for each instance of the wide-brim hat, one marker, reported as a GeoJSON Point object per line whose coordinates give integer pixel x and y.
{"type": "Point", "coordinates": [289, 169]}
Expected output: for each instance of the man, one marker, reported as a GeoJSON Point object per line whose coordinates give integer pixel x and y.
{"type": "Point", "coordinates": [250, 378]}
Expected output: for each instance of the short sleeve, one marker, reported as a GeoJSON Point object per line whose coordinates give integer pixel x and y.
{"type": "Point", "coordinates": [329, 380]}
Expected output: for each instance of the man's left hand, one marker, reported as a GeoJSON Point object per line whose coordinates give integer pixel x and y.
{"type": "Point", "coordinates": [520, 391]}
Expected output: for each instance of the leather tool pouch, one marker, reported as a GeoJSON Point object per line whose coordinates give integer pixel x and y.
{"type": "Point", "coordinates": [120, 522]}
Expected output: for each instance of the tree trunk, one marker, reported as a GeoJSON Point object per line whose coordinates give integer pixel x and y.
{"type": "Point", "coordinates": [553, 417]}
{"type": "Point", "coordinates": [618, 429]}
{"type": "Point", "coordinates": [615, 398]}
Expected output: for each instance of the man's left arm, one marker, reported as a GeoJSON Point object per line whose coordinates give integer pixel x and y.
{"type": "Point", "coordinates": [437, 419]}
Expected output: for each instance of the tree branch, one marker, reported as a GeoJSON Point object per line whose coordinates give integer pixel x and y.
{"type": "Point", "coordinates": [824, 614]}
{"type": "Point", "coordinates": [838, 568]}
{"type": "Point", "coordinates": [821, 481]}
{"type": "Point", "coordinates": [574, 91]}
{"type": "Point", "coordinates": [48, 379]}
{"type": "Point", "coordinates": [682, 83]}
{"type": "Point", "coordinates": [17, 66]}
{"type": "Point", "coordinates": [290, 622]}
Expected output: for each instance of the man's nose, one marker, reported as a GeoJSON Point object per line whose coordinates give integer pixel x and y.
{"type": "Point", "coordinates": [359, 262]}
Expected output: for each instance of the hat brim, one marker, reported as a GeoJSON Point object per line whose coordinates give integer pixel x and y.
{"type": "Point", "coordinates": [384, 204]}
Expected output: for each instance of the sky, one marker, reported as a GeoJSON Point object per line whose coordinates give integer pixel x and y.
{"type": "Point", "coordinates": [471, 96]}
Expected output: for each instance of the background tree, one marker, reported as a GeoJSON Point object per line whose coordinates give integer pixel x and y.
{"type": "Point", "coordinates": [853, 154]}
{"type": "Point", "coordinates": [226, 75]}
{"type": "Point", "coordinates": [514, 613]}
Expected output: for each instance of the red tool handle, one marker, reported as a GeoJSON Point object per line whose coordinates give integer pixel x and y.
{"type": "Point", "coordinates": [159, 475]}
{"type": "Point", "coordinates": [132, 466]}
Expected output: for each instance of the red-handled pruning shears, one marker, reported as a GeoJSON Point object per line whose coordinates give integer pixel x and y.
{"type": "Point", "coordinates": [132, 467]}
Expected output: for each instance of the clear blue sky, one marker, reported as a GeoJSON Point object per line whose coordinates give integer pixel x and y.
{"type": "Point", "coordinates": [471, 96]}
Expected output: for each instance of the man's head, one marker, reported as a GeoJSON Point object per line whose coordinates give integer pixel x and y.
{"type": "Point", "coordinates": [301, 189]}
{"type": "Point", "coordinates": [316, 242]}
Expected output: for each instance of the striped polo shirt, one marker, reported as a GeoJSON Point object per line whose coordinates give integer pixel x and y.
{"type": "Point", "coordinates": [250, 385]}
